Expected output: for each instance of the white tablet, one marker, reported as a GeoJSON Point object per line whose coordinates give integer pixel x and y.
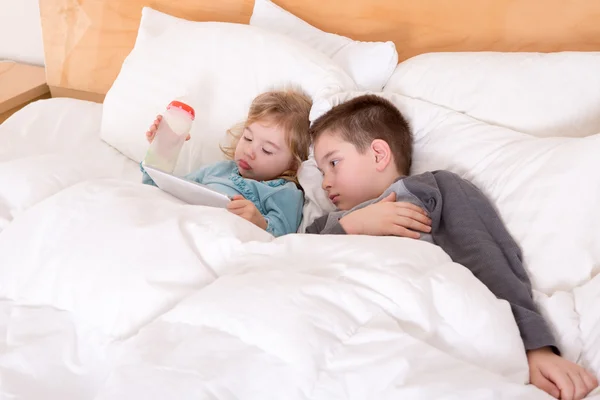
{"type": "Point", "coordinates": [188, 191]}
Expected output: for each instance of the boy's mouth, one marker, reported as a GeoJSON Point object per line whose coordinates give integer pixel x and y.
{"type": "Point", "coordinates": [334, 198]}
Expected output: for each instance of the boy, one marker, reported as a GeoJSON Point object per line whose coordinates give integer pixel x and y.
{"type": "Point", "coordinates": [364, 149]}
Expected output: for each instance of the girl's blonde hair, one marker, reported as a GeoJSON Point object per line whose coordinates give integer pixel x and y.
{"type": "Point", "coordinates": [288, 109]}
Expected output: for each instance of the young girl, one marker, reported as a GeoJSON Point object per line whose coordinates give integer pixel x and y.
{"type": "Point", "coordinates": [261, 174]}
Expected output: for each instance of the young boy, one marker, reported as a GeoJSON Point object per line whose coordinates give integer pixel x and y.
{"type": "Point", "coordinates": [364, 149]}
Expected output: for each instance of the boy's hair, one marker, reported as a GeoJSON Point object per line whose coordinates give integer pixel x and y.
{"type": "Point", "coordinates": [364, 119]}
{"type": "Point", "coordinates": [288, 109]}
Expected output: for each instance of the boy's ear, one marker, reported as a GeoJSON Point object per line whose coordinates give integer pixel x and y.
{"type": "Point", "coordinates": [382, 153]}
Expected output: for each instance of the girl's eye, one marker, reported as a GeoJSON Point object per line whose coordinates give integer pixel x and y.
{"type": "Point", "coordinates": [247, 139]}
{"type": "Point", "coordinates": [267, 152]}
{"type": "Point", "coordinates": [333, 162]}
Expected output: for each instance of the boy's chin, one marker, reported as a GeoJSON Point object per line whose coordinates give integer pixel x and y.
{"type": "Point", "coordinates": [344, 206]}
{"type": "Point", "coordinates": [349, 204]}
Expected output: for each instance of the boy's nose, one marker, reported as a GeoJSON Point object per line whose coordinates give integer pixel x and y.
{"type": "Point", "coordinates": [326, 185]}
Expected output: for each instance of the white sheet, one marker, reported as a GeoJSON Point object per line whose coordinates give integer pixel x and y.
{"type": "Point", "coordinates": [115, 290]}
{"type": "Point", "coordinates": [51, 145]}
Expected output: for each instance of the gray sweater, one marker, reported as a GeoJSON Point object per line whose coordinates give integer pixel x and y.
{"type": "Point", "coordinates": [467, 227]}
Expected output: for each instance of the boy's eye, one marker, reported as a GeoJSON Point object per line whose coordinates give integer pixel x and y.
{"type": "Point", "coordinates": [267, 152]}
{"type": "Point", "coordinates": [333, 163]}
{"type": "Point", "coordinates": [247, 139]}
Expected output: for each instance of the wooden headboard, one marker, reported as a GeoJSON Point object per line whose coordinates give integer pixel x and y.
{"type": "Point", "coordinates": [85, 41]}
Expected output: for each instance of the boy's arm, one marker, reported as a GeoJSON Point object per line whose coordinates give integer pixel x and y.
{"type": "Point", "coordinates": [379, 217]}
{"type": "Point", "coordinates": [319, 226]}
{"type": "Point", "coordinates": [468, 228]}
{"type": "Point", "coordinates": [559, 377]}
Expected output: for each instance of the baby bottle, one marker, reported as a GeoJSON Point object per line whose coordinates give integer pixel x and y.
{"type": "Point", "coordinates": [170, 136]}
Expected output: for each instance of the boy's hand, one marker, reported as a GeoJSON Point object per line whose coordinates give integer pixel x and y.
{"type": "Point", "coordinates": [386, 217]}
{"type": "Point", "coordinates": [247, 210]}
{"type": "Point", "coordinates": [559, 377]}
{"type": "Point", "coordinates": [152, 130]}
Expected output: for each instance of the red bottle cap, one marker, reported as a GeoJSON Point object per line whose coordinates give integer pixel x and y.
{"type": "Point", "coordinates": [183, 107]}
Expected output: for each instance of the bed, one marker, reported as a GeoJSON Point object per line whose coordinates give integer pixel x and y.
{"type": "Point", "coordinates": [110, 289]}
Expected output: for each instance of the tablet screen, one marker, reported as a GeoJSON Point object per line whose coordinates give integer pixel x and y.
{"type": "Point", "coordinates": [188, 191]}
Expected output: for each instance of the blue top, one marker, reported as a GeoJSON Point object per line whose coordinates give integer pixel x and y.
{"type": "Point", "coordinates": [279, 201]}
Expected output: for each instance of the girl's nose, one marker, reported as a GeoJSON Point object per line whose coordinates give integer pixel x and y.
{"type": "Point", "coordinates": [250, 153]}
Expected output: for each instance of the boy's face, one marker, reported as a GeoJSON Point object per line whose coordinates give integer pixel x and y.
{"type": "Point", "coordinates": [349, 177]}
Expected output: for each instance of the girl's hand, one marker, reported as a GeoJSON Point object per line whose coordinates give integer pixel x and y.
{"type": "Point", "coordinates": [247, 210]}
{"type": "Point", "coordinates": [152, 130]}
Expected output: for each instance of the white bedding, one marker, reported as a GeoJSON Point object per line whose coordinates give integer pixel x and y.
{"type": "Point", "coordinates": [114, 290]}
{"type": "Point", "coordinates": [51, 145]}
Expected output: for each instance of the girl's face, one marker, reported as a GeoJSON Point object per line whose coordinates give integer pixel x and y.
{"type": "Point", "coordinates": [262, 153]}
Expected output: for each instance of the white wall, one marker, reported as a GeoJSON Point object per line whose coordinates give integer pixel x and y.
{"type": "Point", "coordinates": [21, 32]}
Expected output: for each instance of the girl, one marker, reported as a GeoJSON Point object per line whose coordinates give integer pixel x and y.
{"type": "Point", "coordinates": [266, 152]}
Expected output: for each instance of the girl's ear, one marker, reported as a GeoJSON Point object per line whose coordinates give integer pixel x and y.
{"type": "Point", "coordinates": [294, 164]}
{"type": "Point", "coordinates": [382, 153]}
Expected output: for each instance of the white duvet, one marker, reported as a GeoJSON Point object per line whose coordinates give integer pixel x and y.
{"type": "Point", "coordinates": [192, 300]}
{"type": "Point", "coordinates": [111, 289]}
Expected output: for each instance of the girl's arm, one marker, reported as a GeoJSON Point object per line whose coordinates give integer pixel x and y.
{"type": "Point", "coordinates": [284, 211]}
{"type": "Point", "coordinates": [145, 177]}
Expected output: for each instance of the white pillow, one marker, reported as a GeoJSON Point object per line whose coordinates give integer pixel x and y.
{"type": "Point", "coordinates": [556, 94]}
{"type": "Point", "coordinates": [547, 190]}
{"type": "Point", "coordinates": [370, 64]}
{"type": "Point", "coordinates": [218, 68]}
{"type": "Point", "coordinates": [316, 201]}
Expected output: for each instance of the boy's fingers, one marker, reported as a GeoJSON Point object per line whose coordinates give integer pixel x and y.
{"type": "Point", "coordinates": [579, 387]}
{"type": "Point", "coordinates": [389, 198]}
{"type": "Point", "coordinates": [411, 206]}
{"type": "Point", "coordinates": [188, 137]}
{"type": "Point", "coordinates": [590, 380]}
{"type": "Point", "coordinates": [238, 197]}
{"type": "Point", "coordinates": [403, 212]}
{"type": "Point", "coordinates": [411, 224]}
{"type": "Point", "coordinates": [399, 230]}
{"type": "Point", "coordinates": [565, 385]}
{"type": "Point", "coordinates": [546, 385]}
